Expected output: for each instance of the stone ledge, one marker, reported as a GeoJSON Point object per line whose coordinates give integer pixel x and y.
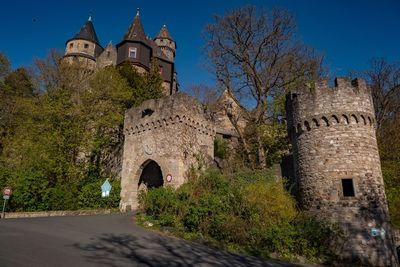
{"type": "Point", "coordinates": [35, 214]}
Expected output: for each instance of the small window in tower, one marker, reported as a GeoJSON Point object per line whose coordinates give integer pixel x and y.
{"type": "Point", "coordinates": [71, 45]}
{"type": "Point", "coordinates": [86, 46]}
{"type": "Point", "coordinates": [161, 70]}
{"type": "Point", "coordinates": [132, 52]}
{"type": "Point", "coordinates": [147, 112]}
{"type": "Point", "coordinates": [108, 54]}
{"type": "Point", "coordinates": [348, 187]}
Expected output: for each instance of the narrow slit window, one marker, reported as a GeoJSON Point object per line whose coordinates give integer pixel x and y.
{"type": "Point", "coordinates": [348, 187]}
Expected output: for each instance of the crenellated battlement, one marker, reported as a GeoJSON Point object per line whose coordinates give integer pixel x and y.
{"type": "Point", "coordinates": [341, 84]}
{"type": "Point", "coordinates": [316, 100]}
{"type": "Point", "coordinates": [178, 109]}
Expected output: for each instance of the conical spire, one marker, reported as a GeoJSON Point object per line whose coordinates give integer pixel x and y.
{"type": "Point", "coordinates": [164, 33]}
{"type": "Point", "coordinates": [136, 30]}
{"type": "Point", "coordinates": [87, 32]}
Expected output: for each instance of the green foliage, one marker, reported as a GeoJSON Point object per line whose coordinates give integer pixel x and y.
{"type": "Point", "coordinates": [4, 66]}
{"type": "Point", "coordinates": [90, 196]}
{"type": "Point", "coordinates": [221, 148]}
{"type": "Point", "coordinates": [30, 190]}
{"type": "Point", "coordinates": [148, 86]}
{"type": "Point", "coordinates": [389, 150]}
{"type": "Point", "coordinates": [59, 126]}
{"type": "Point", "coordinates": [273, 137]}
{"type": "Point", "coordinates": [248, 212]}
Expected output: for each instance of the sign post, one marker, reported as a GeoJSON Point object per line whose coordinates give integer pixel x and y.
{"type": "Point", "coordinates": [7, 192]}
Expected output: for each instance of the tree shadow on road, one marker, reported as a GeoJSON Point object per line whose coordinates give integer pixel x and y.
{"type": "Point", "coordinates": [155, 250]}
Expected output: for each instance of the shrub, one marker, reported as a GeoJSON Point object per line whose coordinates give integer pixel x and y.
{"type": "Point", "coordinates": [221, 148]}
{"type": "Point", "coordinates": [250, 211]}
{"type": "Point", "coordinates": [29, 191]}
{"type": "Point", "coordinates": [90, 195]}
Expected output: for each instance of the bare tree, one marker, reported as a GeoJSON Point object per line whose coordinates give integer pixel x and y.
{"type": "Point", "coordinates": [256, 56]}
{"type": "Point", "coordinates": [206, 94]}
{"type": "Point", "coordinates": [384, 81]}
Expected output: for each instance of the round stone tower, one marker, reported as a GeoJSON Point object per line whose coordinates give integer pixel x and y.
{"type": "Point", "coordinates": [166, 43]}
{"type": "Point", "coordinates": [337, 165]}
{"type": "Point", "coordinates": [84, 47]}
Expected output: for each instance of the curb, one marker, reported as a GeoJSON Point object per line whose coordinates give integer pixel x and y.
{"type": "Point", "coordinates": [37, 214]}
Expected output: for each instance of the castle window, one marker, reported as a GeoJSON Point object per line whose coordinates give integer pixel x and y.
{"type": "Point", "coordinates": [161, 70]}
{"type": "Point", "coordinates": [348, 187]}
{"type": "Point", "coordinates": [108, 54]}
{"type": "Point", "coordinates": [147, 112]}
{"type": "Point", "coordinates": [132, 52]}
{"type": "Point", "coordinates": [71, 45]}
{"type": "Point", "coordinates": [86, 46]}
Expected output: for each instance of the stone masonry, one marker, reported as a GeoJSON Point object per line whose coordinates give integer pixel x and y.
{"type": "Point", "coordinates": [173, 132]}
{"type": "Point", "coordinates": [337, 165]}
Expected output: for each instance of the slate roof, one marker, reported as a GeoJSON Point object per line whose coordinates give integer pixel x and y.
{"type": "Point", "coordinates": [87, 32]}
{"type": "Point", "coordinates": [164, 33]}
{"type": "Point", "coordinates": [135, 31]}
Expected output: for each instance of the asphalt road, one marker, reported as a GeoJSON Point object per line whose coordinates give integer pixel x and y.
{"type": "Point", "coordinates": [103, 240]}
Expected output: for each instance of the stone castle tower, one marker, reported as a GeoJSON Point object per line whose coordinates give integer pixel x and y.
{"type": "Point", "coordinates": [135, 48]}
{"type": "Point", "coordinates": [337, 165]}
{"type": "Point", "coordinates": [84, 46]}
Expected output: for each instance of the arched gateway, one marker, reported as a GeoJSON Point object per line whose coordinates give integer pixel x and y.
{"type": "Point", "coordinates": [151, 175]}
{"type": "Point", "coordinates": [163, 138]}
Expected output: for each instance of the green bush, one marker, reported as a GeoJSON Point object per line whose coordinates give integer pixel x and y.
{"type": "Point", "coordinates": [90, 195]}
{"type": "Point", "coordinates": [221, 148]}
{"type": "Point", "coordinates": [29, 191]}
{"type": "Point", "coordinates": [249, 211]}
{"type": "Point", "coordinates": [62, 198]}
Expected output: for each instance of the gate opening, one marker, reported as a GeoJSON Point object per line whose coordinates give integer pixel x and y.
{"type": "Point", "coordinates": [151, 175]}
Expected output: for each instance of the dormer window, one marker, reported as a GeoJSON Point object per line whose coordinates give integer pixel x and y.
{"type": "Point", "coordinates": [132, 52]}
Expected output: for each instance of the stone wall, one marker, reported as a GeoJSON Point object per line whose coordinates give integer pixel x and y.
{"type": "Point", "coordinates": [107, 57]}
{"type": "Point", "coordinates": [174, 132]}
{"type": "Point", "coordinates": [333, 136]}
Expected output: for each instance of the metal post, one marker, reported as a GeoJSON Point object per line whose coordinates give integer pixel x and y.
{"type": "Point", "coordinates": [4, 206]}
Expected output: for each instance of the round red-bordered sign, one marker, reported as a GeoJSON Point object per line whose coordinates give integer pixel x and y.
{"type": "Point", "coordinates": [169, 177]}
{"type": "Point", "coordinates": [7, 191]}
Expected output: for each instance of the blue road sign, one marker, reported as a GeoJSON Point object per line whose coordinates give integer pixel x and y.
{"type": "Point", "coordinates": [106, 188]}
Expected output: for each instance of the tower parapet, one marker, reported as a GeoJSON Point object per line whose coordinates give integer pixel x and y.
{"type": "Point", "coordinates": [337, 164]}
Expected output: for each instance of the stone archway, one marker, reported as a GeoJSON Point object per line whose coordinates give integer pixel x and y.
{"type": "Point", "coordinates": [151, 175]}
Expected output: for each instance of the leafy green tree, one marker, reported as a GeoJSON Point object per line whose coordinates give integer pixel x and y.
{"type": "Point", "coordinates": [4, 66]}
{"type": "Point", "coordinates": [147, 86]}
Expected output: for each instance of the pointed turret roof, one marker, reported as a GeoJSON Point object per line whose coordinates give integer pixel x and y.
{"type": "Point", "coordinates": [135, 31]}
{"type": "Point", "coordinates": [164, 33]}
{"type": "Point", "coordinates": [87, 32]}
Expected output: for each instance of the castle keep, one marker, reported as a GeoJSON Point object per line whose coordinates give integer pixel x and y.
{"type": "Point", "coordinates": [337, 165]}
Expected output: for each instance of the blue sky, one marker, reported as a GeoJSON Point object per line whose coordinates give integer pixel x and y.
{"type": "Point", "coordinates": [348, 33]}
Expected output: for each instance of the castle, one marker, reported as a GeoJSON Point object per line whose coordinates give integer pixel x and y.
{"type": "Point", "coordinates": [335, 152]}
{"type": "Point", "coordinates": [135, 47]}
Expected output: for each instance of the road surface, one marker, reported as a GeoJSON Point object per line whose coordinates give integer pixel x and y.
{"type": "Point", "coordinates": [103, 240]}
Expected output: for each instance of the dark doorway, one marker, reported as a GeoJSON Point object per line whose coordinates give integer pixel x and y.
{"type": "Point", "coordinates": [151, 175]}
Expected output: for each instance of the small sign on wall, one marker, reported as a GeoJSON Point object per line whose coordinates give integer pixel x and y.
{"type": "Point", "coordinates": [169, 178]}
{"type": "Point", "coordinates": [378, 232]}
